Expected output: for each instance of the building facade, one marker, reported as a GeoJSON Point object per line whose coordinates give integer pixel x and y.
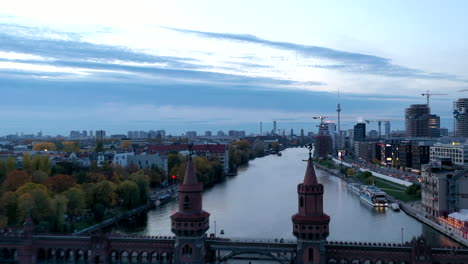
{"type": "Point", "coordinates": [460, 114]}
{"type": "Point", "coordinates": [456, 152]}
{"type": "Point", "coordinates": [417, 120]}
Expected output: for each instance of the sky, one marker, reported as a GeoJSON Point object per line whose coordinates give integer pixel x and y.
{"type": "Point", "coordinates": [223, 65]}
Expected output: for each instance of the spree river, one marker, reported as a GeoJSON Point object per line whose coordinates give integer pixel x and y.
{"type": "Point", "coordinates": [258, 203]}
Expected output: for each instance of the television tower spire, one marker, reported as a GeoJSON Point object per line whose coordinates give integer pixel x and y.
{"type": "Point", "coordinates": [338, 110]}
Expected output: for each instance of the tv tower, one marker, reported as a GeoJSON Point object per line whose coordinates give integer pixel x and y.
{"type": "Point", "coordinates": [338, 110]}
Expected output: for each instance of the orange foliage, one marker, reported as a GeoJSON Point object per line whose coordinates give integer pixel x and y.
{"type": "Point", "coordinates": [44, 146]}
{"type": "Point", "coordinates": [16, 179]}
{"type": "Point", "coordinates": [60, 183]}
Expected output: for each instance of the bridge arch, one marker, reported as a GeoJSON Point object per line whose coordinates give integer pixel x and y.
{"type": "Point", "coordinates": [269, 255]}
{"type": "Point", "coordinates": [344, 261]}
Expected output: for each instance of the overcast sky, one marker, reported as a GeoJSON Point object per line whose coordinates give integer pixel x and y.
{"type": "Point", "coordinates": [219, 65]}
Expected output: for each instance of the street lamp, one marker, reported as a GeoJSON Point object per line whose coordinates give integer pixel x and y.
{"type": "Point", "coordinates": [402, 235]}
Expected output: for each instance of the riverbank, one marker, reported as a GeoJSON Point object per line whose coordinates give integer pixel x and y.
{"type": "Point", "coordinates": [413, 210]}
{"type": "Point", "coordinates": [410, 208]}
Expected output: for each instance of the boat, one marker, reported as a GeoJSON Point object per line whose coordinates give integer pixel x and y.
{"type": "Point", "coordinates": [279, 154]}
{"type": "Point", "coordinates": [373, 196]}
{"type": "Point", "coordinates": [163, 199]}
{"type": "Point", "coordinates": [355, 188]}
{"type": "Point", "coordinates": [395, 207]}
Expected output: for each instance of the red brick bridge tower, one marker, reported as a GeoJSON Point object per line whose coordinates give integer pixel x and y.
{"type": "Point", "coordinates": [190, 223]}
{"type": "Point", "coordinates": [310, 224]}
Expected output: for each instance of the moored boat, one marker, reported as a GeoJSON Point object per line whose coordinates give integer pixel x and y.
{"type": "Point", "coordinates": [395, 207]}
{"type": "Point", "coordinates": [373, 196]}
{"type": "Point", "coordinates": [355, 188]}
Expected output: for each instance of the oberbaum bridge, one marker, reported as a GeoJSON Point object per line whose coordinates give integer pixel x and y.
{"type": "Point", "coordinates": [192, 246]}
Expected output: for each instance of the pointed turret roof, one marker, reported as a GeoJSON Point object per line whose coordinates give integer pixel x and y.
{"type": "Point", "coordinates": [310, 178]}
{"type": "Point", "coordinates": [190, 178]}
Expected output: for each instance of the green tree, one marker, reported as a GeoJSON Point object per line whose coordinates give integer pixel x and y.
{"type": "Point", "coordinates": [103, 193]}
{"type": "Point", "coordinates": [143, 183]}
{"type": "Point", "coordinates": [10, 164]}
{"type": "Point", "coordinates": [27, 163]}
{"type": "Point", "coordinates": [76, 200]}
{"type": "Point", "coordinates": [8, 206]}
{"type": "Point", "coordinates": [38, 203]}
{"type": "Point", "coordinates": [128, 193]}
{"type": "Point", "coordinates": [39, 177]}
{"type": "Point", "coordinates": [59, 205]}
{"type": "Point", "coordinates": [44, 164]}
{"type": "Point", "coordinates": [3, 170]}
{"type": "Point", "coordinates": [174, 160]}
{"type": "Point", "coordinates": [36, 162]}
{"type": "Point", "coordinates": [99, 146]}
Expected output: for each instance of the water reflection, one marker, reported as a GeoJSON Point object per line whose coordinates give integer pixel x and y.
{"type": "Point", "coordinates": [259, 202]}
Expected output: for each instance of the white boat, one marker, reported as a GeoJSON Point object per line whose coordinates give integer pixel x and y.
{"type": "Point", "coordinates": [395, 207]}
{"type": "Point", "coordinates": [355, 188]}
{"type": "Point", "coordinates": [373, 196]}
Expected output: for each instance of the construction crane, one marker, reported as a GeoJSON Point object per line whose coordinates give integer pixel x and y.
{"type": "Point", "coordinates": [322, 123]}
{"type": "Point", "coordinates": [380, 124]}
{"type": "Point", "coordinates": [428, 94]}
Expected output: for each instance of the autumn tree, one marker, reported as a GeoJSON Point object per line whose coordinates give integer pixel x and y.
{"type": "Point", "coordinates": [128, 193]}
{"type": "Point", "coordinates": [59, 183]}
{"type": "Point", "coordinates": [38, 203]}
{"type": "Point", "coordinates": [44, 146]}
{"type": "Point", "coordinates": [27, 163]}
{"type": "Point", "coordinates": [59, 205]}
{"type": "Point", "coordinates": [126, 144]}
{"type": "Point", "coordinates": [103, 193]}
{"type": "Point", "coordinates": [15, 179]}
{"type": "Point", "coordinates": [70, 146]}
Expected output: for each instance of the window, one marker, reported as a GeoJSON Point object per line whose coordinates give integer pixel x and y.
{"type": "Point", "coordinates": [187, 251]}
{"type": "Point", "coordinates": [187, 203]}
{"type": "Point", "coordinates": [301, 202]}
{"type": "Point", "coordinates": [311, 254]}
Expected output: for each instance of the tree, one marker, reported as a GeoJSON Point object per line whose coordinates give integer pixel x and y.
{"type": "Point", "coordinates": [174, 160]}
{"type": "Point", "coordinates": [3, 170]}
{"type": "Point", "coordinates": [39, 177]}
{"type": "Point", "coordinates": [59, 183]}
{"type": "Point", "coordinates": [99, 146]}
{"type": "Point", "coordinates": [128, 193]}
{"type": "Point", "coordinates": [36, 162]}
{"type": "Point", "coordinates": [143, 182]}
{"type": "Point", "coordinates": [103, 193]}
{"type": "Point", "coordinates": [70, 146]}
{"type": "Point", "coordinates": [27, 163]}
{"type": "Point", "coordinates": [10, 164]}
{"type": "Point", "coordinates": [350, 172]}
{"type": "Point", "coordinates": [44, 146]}
{"type": "Point", "coordinates": [59, 205]}
{"type": "Point", "coordinates": [8, 206]}
{"type": "Point", "coordinates": [44, 164]}
{"type": "Point", "coordinates": [38, 203]}
{"type": "Point", "coordinates": [76, 200]}
{"type": "Point", "coordinates": [126, 144]}
{"type": "Point", "coordinates": [15, 179]}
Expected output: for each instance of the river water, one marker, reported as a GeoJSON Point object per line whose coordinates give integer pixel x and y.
{"type": "Point", "coordinates": [258, 204]}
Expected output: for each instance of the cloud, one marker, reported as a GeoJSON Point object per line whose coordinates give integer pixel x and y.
{"type": "Point", "coordinates": [349, 61]}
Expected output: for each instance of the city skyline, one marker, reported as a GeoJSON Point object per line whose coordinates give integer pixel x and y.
{"type": "Point", "coordinates": [184, 66]}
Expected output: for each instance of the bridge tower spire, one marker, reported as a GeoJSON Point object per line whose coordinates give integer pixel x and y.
{"type": "Point", "coordinates": [190, 223]}
{"type": "Point", "coordinates": [310, 223]}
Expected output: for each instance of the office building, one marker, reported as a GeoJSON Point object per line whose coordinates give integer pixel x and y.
{"type": "Point", "coordinates": [457, 153]}
{"type": "Point", "coordinates": [417, 120]}
{"type": "Point", "coordinates": [434, 126]}
{"type": "Point", "coordinates": [359, 132]}
{"type": "Point", "coordinates": [387, 128]}
{"type": "Point", "coordinates": [460, 111]}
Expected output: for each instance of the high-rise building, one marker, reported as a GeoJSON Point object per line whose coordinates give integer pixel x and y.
{"type": "Point", "coordinates": [75, 134]}
{"type": "Point", "coordinates": [460, 114]}
{"type": "Point", "coordinates": [91, 134]}
{"type": "Point", "coordinates": [359, 131]}
{"type": "Point", "coordinates": [221, 133]}
{"type": "Point", "coordinates": [417, 120]}
{"type": "Point", "coordinates": [444, 132]}
{"type": "Point", "coordinates": [208, 134]}
{"type": "Point", "coordinates": [387, 128]}
{"type": "Point", "coordinates": [191, 134]}
{"type": "Point", "coordinates": [84, 134]}
{"type": "Point", "coordinates": [302, 132]}
{"type": "Point", "coordinates": [100, 134]}
{"type": "Point", "coordinates": [434, 126]}
{"type": "Point", "coordinates": [373, 134]}
{"type": "Point", "coordinates": [274, 128]}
